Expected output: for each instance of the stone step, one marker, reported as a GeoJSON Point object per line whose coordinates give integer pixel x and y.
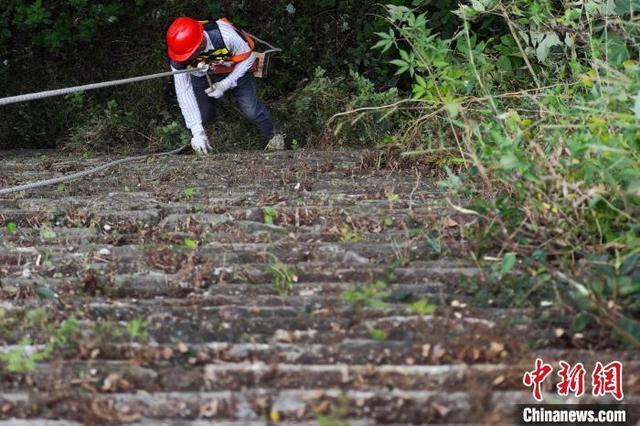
{"type": "Point", "coordinates": [264, 325]}
{"type": "Point", "coordinates": [122, 280]}
{"type": "Point", "coordinates": [207, 187]}
{"type": "Point", "coordinates": [352, 351]}
{"type": "Point", "coordinates": [252, 405]}
{"type": "Point", "coordinates": [110, 376]}
{"type": "Point", "coordinates": [289, 251]}
{"type": "Point", "coordinates": [381, 406]}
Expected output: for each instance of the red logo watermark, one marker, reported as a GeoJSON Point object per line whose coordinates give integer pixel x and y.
{"type": "Point", "coordinates": [605, 379]}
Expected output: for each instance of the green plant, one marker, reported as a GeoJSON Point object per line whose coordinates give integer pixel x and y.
{"type": "Point", "coordinates": [37, 317]}
{"type": "Point", "coordinates": [349, 234]}
{"type": "Point", "coordinates": [104, 127]}
{"type": "Point", "coordinates": [66, 333]}
{"type": "Point", "coordinates": [282, 276]}
{"type": "Point", "coordinates": [422, 307]}
{"type": "Point", "coordinates": [189, 192]}
{"type": "Point", "coordinates": [337, 416]}
{"type": "Point", "coordinates": [136, 329]}
{"type": "Point", "coordinates": [191, 244]}
{"type": "Point", "coordinates": [106, 330]}
{"type": "Point", "coordinates": [269, 214]}
{"type": "Point", "coordinates": [12, 228]}
{"type": "Point", "coordinates": [543, 112]}
{"type": "Point", "coordinates": [24, 358]}
{"type": "Point", "coordinates": [372, 295]}
{"type": "Point", "coordinates": [47, 233]}
{"type": "Point", "coordinates": [378, 335]}
{"type": "Point", "coordinates": [47, 24]}
{"type": "Point", "coordinates": [173, 135]}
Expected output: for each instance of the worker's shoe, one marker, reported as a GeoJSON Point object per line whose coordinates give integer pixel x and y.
{"type": "Point", "coordinates": [276, 143]}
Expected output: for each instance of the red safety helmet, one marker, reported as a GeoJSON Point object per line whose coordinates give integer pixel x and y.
{"type": "Point", "coordinates": [184, 36]}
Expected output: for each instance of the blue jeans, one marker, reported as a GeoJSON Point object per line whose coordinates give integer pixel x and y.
{"type": "Point", "coordinates": [246, 96]}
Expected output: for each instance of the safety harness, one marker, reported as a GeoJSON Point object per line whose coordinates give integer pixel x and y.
{"type": "Point", "coordinates": [220, 59]}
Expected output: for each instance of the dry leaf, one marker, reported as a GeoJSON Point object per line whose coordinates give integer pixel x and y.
{"type": "Point", "coordinates": [438, 352]}
{"type": "Point", "coordinates": [451, 223]}
{"type": "Point", "coordinates": [426, 349]}
{"type": "Point", "coordinates": [495, 348]}
{"type": "Point", "coordinates": [440, 409]}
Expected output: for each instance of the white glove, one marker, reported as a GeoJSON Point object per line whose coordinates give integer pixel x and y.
{"type": "Point", "coordinates": [200, 143]}
{"type": "Point", "coordinates": [219, 88]}
{"type": "Point", "coordinates": [216, 92]}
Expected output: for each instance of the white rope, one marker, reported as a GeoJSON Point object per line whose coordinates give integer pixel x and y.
{"type": "Point", "coordinates": [68, 90]}
{"type": "Point", "coordinates": [84, 173]}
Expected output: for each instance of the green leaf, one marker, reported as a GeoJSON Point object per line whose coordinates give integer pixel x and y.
{"type": "Point", "coordinates": [12, 228]}
{"type": "Point", "coordinates": [453, 108]}
{"type": "Point", "coordinates": [378, 334]}
{"type": "Point", "coordinates": [508, 262]}
{"type": "Point", "coordinates": [402, 66]}
{"type": "Point", "coordinates": [189, 192]}
{"type": "Point", "coordinates": [422, 307]}
{"type": "Point", "coordinates": [382, 44]}
{"type": "Point", "coordinates": [269, 215]}
{"type": "Point", "coordinates": [509, 161]}
{"type": "Point", "coordinates": [597, 287]}
{"type": "Point", "coordinates": [45, 293]}
{"type": "Point", "coordinates": [630, 263]}
{"type": "Point", "coordinates": [477, 6]}
{"type": "Point", "coordinates": [190, 244]}
{"type": "Point", "coordinates": [435, 245]}
{"type": "Point", "coordinates": [580, 322]}
{"type": "Point", "coordinates": [617, 50]}
{"type": "Point", "coordinates": [543, 49]}
{"type": "Point", "coordinates": [504, 64]}
{"type": "Point", "coordinates": [631, 327]}
{"type": "Point", "coordinates": [47, 233]}
{"type": "Point", "coordinates": [628, 288]}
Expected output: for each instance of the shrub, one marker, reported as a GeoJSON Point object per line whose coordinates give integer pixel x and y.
{"type": "Point", "coordinates": [543, 106]}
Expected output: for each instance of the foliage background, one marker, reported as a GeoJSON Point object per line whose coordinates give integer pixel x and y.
{"type": "Point", "coordinates": [54, 44]}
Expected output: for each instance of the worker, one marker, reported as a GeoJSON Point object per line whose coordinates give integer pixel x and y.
{"type": "Point", "coordinates": [226, 54]}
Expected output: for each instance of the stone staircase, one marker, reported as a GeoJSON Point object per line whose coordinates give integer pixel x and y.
{"type": "Point", "coordinates": [166, 273]}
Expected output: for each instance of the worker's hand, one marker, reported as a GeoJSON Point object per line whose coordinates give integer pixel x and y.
{"type": "Point", "coordinates": [200, 143]}
{"type": "Point", "coordinates": [216, 92]}
{"type": "Point", "coordinates": [203, 66]}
